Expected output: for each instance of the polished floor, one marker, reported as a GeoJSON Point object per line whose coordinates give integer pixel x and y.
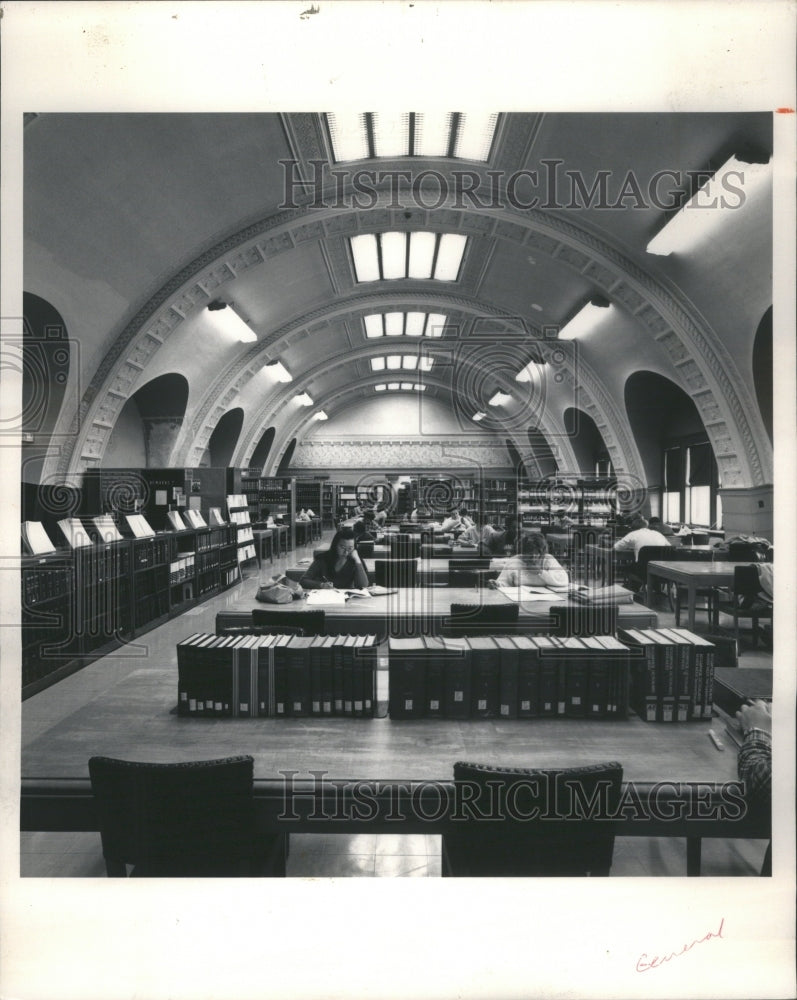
{"type": "Point", "coordinates": [79, 855]}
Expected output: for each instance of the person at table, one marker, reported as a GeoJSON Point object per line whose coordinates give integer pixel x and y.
{"type": "Point", "coordinates": [656, 524]}
{"type": "Point", "coordinates": [364, 530]}
{"type": "Point", "coordinates": [269, 519]}
{"type": "Point", "coordinates": [561, 522]}
{"type": "Point", "coordinates": [754, 763]}
{"type": "Point", "coordinates": [340, 566]}
{"type": "Point", "coordinates": [640, 536]}
{"type": "Point", "coordinates": [302, 515]}
{"type": "Point", "coordinates": [499, 541]}
{"type": "Point", "coordinates": [534, 566]}
{"type": "Point", "coordinates": [466, 519]}
{"type": "Point", "coordinates": [452, 523]}
{"type": "Point", "coordinates": [471, 537]}
{"type": "Point", "coordinates": [380, 515]}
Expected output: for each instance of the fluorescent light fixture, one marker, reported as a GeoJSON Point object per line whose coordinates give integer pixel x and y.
{"type": "Point", "coordinates": [449, 256]}
{"type": "Point", "coordinates": [381, 387]}
{"type": "Point", "coordinates": [373, 325]}
{"type": "Point", "coordinates": [394, 255]}
{"type": "Point", "coordinates": [321, 415]}
{"type": "Point", "coordinates": [475, 136]}
{"type": "Point", "coordinates": [532, 370]}
{"type": "Point", "coordinates": [227, 321]}
{"type": "Point", "coordinates": [432, 133]}
{"type": "Point", "coordinates": [377, 364]}
{"type": "Point", "coordinates": [586, 319]}
{"type": "Point", "coordinates": [394, 324]}
{"type": "Point", "coordinates": [303, 399]}
{"type": "Point", "coordinates": [499, 399]}
{"type": "Point", "coordinates": [391, 133]}
{"type": "Point", "coordinates": [478, 415]}
{"type": "Point", "coordinates": [366, 259]}
{"type": "Point", "coordinates": [422, 254]}
{"type": "Point", "coordinates": [435, 325]}
{"type": "Point", "coordinates": [279, 371]}
{"type": "Point", "coordinates": [348, 135]}
{"type": "Point", "coordinates": [719, 199]}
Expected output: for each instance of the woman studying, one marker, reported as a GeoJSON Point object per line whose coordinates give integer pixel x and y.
{"type": "Point", "coordinates": [340, 566]}
{"type": "Point", "coordinates": [534, 566]}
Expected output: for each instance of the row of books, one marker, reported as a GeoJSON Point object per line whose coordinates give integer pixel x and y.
{"type": "Point", "coordinates": [246, 552]}
{"type": "Point", "coordinates": [182, 568]}
{"type": "Point", "coordinates": [247, 676]}
{"type": "Point", "coordinates": [45, 585]}
{"type": "Point", "coordinates": [674, 679]}
{"type": "Point", "coordinates": [508, 677]}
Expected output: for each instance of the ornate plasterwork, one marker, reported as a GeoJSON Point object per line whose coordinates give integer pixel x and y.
{"type": "Point", "coordinates": [403, 453]}
{"type": "Point", "coordinates": [696, 352]}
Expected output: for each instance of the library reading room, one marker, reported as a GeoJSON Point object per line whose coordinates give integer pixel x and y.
{"type": "Point", "coordinates": [397, 494]}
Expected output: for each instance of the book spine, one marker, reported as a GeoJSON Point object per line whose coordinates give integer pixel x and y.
{"type": "Point", "coordinates": [485, 679]}
{"type": "Point", "coordinates": [576, 685]}
{"type": "Point", "coordinates": [708, 682]}
{"type": "Point", "coordinates": [508, 689]}
{"type": "Point", "coordinates": [549, 685]}
{"type": "Point", "coordinates": [598, 704]}
{"type": "Point", "coordinates": [666, 682]}
{"type": "Point", "coordinates": [280, 681]}
{"type": "Point", "coordinates": [457, 678]}
{"type": "Point", "coordinates": [435, 686]}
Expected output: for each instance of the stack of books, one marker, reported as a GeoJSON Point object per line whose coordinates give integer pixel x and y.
{"type": "Point", "coordinates": [249, 676]}
{"type": "Point", "coordinates": [508, 677]}
{"type": "Point", "coordinates": [672, 675]}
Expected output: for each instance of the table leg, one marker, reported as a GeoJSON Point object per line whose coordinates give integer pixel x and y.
{"type": "Point", "coordinates": [693, 850]}
{"type": "Point", "coordinates": [692, 592]}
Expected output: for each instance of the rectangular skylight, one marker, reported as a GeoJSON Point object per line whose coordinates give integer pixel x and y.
{"type": "Point", "coordinates": [425, 363]}
{"type": "Point", "coordinates": [709, 206]}
{"type": "Point", "coordinates": [410, 362]}
{"type": "Point", "coordinates": [373, 325]}
{"type": "Point", "coordinates": [421, 254]}
{"type": "Point", "coordinates": [377, 364]}
{"type": "Point", "coordinates": [475, 136]}
{"type": "Point", "coordinates": [394, 324]}
{"type": "Point", "coordinates": [585, 320]}
{"type": "Point", "coordinates": [394, 255]}
{"type": "Point", "coordinates": [391, 133]}
{"type": "Point", "coordinates": [393, 386]}
{"type": "Point", "coordinates": [499, 399]}
{"type": "Point", "coordinates": [449, 256]}
{"type": "Point", "coordinates": [381, 387]}
{"type": "Point", "coordinates": [419, 387]}
{"type": "Point", "coordinates": [366, 261]}
{"type": "Point", "coordinates": [393, 362]}
{"type": "Point", "coordinates": [432, 133]}
{"type": "Point", "coordinates": [435, 325]}
{"type": "Point", "coordinates": [407, 386]}
{"type": "Point", "coordinates": [415, 324]}
{"type": "Point", "coordinates": [348, 135]}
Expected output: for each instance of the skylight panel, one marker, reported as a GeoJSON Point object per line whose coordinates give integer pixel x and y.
{"type": "Point", "coordinates": [432, 133]}
{"type": "Point", "coordinates": [377, 364]}
{"type": "Point", "coordinates": [373, 325]}
{"type": "Point", "coordinates": [406, 386]}
{"type": "Point", "coordinates": [394, 255]}
{"type": "Point", "coordinates": [410, 362]}
{"type": "Point", "coordinates": [415, 324]}
{"type": "Point", "coordinates": [393, 386]}
{"type": "Point", "coordinates": [475, 136]}
{"type": "Point", "coordinates": [366, 259]}
{"type": "Point", "coordinates": [419, 387]}
{"type": "Point", "coordinates": [435, 325]}
{"type": "Point", "coordinates": [394, 324]}
{"type": "Point", "coordinates": [449, 256]}
{"type": "Point", "coordinates": [425, 363]}
{"type": "Point", "coordinates": [391, 133]}
{"type": "Point", "coordinates": [348, 134]}
{"type": "Point", "coordinates": [381, 387]}
{"type": "Point", "coordinates": [393, 361]}
{"type": "Point", "coordinates": [422, 247]}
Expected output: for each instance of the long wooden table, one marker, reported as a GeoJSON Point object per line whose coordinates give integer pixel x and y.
{"type": "Point", "coordinates": [694, 576]}
{"type": "Point", "coordinates": [422, 610]}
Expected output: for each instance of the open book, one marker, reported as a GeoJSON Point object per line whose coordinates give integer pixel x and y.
{"type": "Point", "coordinates": [74, 532]}
{"type": "Point", "coordinates": [524, 595]}
{"type": "Point", "coordinates": [36, 538]}
{"type": "Point", "coordinates": [106, 528]}
{"type": "Point", "coordinates": [195, 519]}
{"type": "Point", "coordinates": [614, 594]}
{"type": "Point", "coordinates": [326, 597]}
{"type": "Point", "coordinates": [139, 525]}
{"type": "Point", "coordinates": [175, 520]}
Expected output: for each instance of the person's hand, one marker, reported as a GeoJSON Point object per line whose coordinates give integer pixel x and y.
{"type": "Point", "coordinates": [757, 715]}
{"type": "Point", "coordinates": [327, 585]}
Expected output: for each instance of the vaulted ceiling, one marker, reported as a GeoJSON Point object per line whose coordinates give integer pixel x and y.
{"type": "Point", "coordinates": [135, 223]}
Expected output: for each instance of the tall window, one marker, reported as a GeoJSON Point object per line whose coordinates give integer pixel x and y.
{"type": "Point", "coordinates": [691, 484]}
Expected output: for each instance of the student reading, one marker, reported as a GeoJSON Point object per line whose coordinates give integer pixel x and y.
{"type": "Point", "coordinates": [534, 566]}
{"type": "Point", "coordinates": [340, 566]}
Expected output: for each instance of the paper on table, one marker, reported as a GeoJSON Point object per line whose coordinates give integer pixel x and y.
{"type": "Point", "coordinates": [327, 596]}
{"type": "Point", "coordinates": [529, 594]}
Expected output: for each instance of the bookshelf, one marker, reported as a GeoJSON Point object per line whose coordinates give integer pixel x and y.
{"type": "Point", "coordinates": [238, 512]}
{"type": "Point", "coordinates": [499, 498]}
{"type": "Point", "coordinates": [587, 501]}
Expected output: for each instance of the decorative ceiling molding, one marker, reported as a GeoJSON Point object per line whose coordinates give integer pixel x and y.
{"type": "Point", "coordinates": [707, 371]}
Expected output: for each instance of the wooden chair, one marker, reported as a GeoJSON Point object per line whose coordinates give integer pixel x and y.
{"type": "Point", "coordinates": [185, 820]}
{"type": "Point", "coordinates": [311, 622]}
{"type": "Point", "coordinates": [469, 572]}
{"type": "Point", "coordinates": [396, 572]}
{"type": "Point", "coordinates": [482, 619]}
{"type": "Point", "coordinates": [744, 601]}
{"type": "Point", "coordinates": [530, 822]}
{"type": "Point", "coordinates": [404, 546]}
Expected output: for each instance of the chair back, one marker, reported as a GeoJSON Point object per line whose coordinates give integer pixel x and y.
{"type": "Point", "coordinates": [311, 622]}
{"type": "Point", "coordinates": [654, 553]}
{"type": "Point", "coordinates": [482, 619]}
{"type": "Point", "coordinates": [177, 820]}
{"type": "Point", "coordinates": [744, 552]}
{"type": "Point", "coordinates": [404, 546]}
{"type": "Point", "coordinates": [746, 582]}
{"type": "Point", "coordinates": [366, 549]}
{"type": "Point", "coordinates": [529, 822]}
{"type": "Point", "coordinates": [396, 572]}
{"type": "Point", "coordinates": [261, 630]}
{"type": "Point", "coordinates": [589, 619]}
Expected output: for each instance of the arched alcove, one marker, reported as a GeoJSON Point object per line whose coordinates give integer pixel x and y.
{"type": "Point", "coordinates": [762, 369]}
{"type": "Point", "coordinates": [263, 447]}
{"type": "Point", "coordinates": [224, 438]}
{"type": "Point", "coordinates": [148, 424]}
{"type": "Point", "coordinates": [45, 360]}
{"type": "Point", "coordinates": [285, 461]}
{"type": "Point", "coordinates": [545, 463]}
{"type": "Point", "coordinates": [585, 438]}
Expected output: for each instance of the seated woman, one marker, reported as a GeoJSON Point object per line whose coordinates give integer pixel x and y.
{"type": "Point", "coordinates": [452, 522]}
{"type": "Point", "coordinates": [364, 529]}
{"type": "Point", "coordinates": [340, 566]}
{"type": "Point", "coordinates": [533, 566]}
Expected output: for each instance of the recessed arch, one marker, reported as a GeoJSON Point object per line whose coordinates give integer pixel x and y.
{"type": "Point", "coordinates": [148, 425]}
{"type": "Point", "coordinates": [585, 438]}
{"type": "Point", "coordinates": [762, 369]}
{"type": "Point", "coordinates": [224, 438]}
{"type": "Point", "coordinates": [262, 448]}
{"type": "Point", "coordinates": [285, 461]}
{"type": "Point", "coordinates": [543, 459]}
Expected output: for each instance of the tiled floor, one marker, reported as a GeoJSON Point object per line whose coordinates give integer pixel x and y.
{"type": "Point", "coordinates": [79, 855]}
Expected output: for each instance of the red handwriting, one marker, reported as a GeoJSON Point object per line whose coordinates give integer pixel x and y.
{"type": "Point", "coordinates": [644, 964]}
